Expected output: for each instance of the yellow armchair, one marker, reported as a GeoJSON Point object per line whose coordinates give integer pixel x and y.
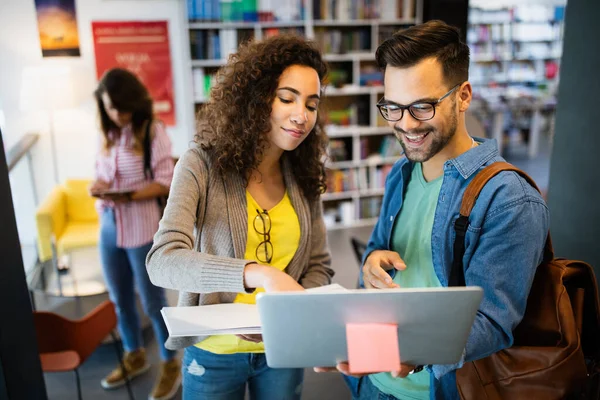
{"type": "Point", "coordinates": [67, 217]}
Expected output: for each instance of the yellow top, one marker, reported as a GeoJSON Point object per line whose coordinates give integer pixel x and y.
{"type": "Point", "coordinates": [285, 237]}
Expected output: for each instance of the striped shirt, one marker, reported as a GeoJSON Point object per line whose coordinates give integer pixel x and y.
{"type": "Point", "coordinates": [136, 221]}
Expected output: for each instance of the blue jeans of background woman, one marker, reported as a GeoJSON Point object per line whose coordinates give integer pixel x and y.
{"type": "Point", "coordinates": [123, 269]}
{"type": "Point", "coordinates": [224, 377]}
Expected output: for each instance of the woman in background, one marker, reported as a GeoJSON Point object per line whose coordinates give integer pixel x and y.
{"type": "Point", "coordinates": [129, 219]}
{"type": "Point", "coordinates": [244, 212]}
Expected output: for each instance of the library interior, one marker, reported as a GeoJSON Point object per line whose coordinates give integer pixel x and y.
{"type": "Point", "coordinates": [532, 78]}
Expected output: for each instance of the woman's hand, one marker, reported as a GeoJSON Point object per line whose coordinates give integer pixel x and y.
{"type": "Point", "coordinates": [98, 186]}
{"type": "Point", "coordinates": [269, 278]}
{"type": "Point", "coordinates": [254, 338]}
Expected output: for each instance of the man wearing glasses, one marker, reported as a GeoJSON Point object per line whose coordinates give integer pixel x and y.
{"type": "Point", "coordinates": [426, 96]}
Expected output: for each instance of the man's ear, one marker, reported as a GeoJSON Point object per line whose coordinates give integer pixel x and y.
{"type": "Point", "coordinates": [465, 95]}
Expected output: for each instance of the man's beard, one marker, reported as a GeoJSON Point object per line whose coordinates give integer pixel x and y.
{"type": "Point", "coordinates": [438, 141]}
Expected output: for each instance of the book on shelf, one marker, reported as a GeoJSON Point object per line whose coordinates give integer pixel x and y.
{"type": "Point", "coordinates": [245, 10]}
{"type": "Point", "coordinates": [370, 75]}
{"type": "Point", "coordinates": [347, 10]}
{"type": "Point", "coordinates": [341, 180]}
{"type": "Point", "coordinates": [342, 41]}
{"type": "Point", "coordinates": [203, 82]}
{"type": "Point", "coordinates": [338, 150]}
{"type": "Point", "coordinates": [216, 44]}
{"type": "Point", "coordinates": [370, 206]}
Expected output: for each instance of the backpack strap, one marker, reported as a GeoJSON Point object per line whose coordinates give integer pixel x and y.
{"type": "Point", "coordinates": [457, 274]}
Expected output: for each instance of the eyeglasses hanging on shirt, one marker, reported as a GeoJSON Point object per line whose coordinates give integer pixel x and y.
{"type": "Point", "coordinates": [262, 226]}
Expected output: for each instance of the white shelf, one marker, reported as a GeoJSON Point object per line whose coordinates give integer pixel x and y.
{"type": "Point", "coordinates": [486, 58]}
{"type": "Point", "coordinates": [362, 56]}
{"type": "Point", "coordinates": [352, 90]}
{"type": "Point", "coordinates": [362, 22]}
{"type": "Point", "coordinates": [246, 25]}
{"type": "Point", "coordinates": [208, 63]}
{"type": "Point", "coordinates": [354, 224]}
{"type": "Point", "coordinates": [334, 131]}
{"type": "Point", "coordinates": [351, 194]}
{"type": "Point", "coordinates": [372, 162]}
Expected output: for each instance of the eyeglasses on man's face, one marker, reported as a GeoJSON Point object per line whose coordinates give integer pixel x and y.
{"type": "Point", "coordinates": [420, 110]}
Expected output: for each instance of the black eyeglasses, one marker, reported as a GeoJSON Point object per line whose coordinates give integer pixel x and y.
{"type": "Point", "coordinates": [262, 226]}
{"type": "Point", "coordinates": [420, 110]}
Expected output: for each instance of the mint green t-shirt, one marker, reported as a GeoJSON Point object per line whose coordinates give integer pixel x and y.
{"type": "Point", "coordinates": [411, 238]}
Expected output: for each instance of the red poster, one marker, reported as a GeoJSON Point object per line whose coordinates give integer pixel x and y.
{"type": "Point", "coordinates": [143, 48]}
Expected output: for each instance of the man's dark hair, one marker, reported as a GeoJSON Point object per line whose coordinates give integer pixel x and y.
{"type": "Point", "coordinates": [435, 38]}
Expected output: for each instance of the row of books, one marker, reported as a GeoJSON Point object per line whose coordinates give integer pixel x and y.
{"type": "Point", "coordinates": [245, 10]}
{"type": "Point", "coordinates": [521, 13]}
{"type": "Point", "coordinates": [342, 180]}
{"type": "Point", "coordinates": [203, 81]}
{"type": "Point", "coordinates": [369, 75]}
{"type": "Point", "coordinates": [342, 212]}
{"type": "Point", "coordinates": [363, 9]}
{"type": "Point", "coordinates": [369, 207]}
{"type": "Point", "coordinates": [536, 72]}
{"type": "Point", "coordinates": [362, 178]}
{"type": "Point", "coordinates": [389, 147]}
{"type": "Point", "coordinates": [485, 33]}
{"type": "Point", "coordinates": [521, 51]}
{"type": "Point", "coordinates": [338, 41]}
{"type": "Point", "coordinates": [520, 32]}
{"type": "Point", "coordinates": [339, 149]}
{"type": "Point", "coordinates": [386, 147]}
{"type": "Point", "coordinates": [211, 44]}
{"type": "Point", "coordinates": [345, 211]}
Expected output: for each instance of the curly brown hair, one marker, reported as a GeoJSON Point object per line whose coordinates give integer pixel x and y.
{"type": "Point", "coordinates": [234, 124]}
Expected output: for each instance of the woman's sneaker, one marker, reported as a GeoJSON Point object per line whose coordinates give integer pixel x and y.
{"type": "Point", "coordinates": [168, 381]}
{"type": "Point", "coordinates": [135, 364]}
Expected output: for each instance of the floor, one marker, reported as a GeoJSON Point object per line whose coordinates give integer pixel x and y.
{"type": "Point", "coordinates": [317, 386]}
{"type": "Point", "coordinates": [61, 386]}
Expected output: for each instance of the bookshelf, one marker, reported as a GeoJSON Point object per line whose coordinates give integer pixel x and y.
{"type": "Point", "coordinates": [515, 45]}
{"type": "Point", "coordinates": [362, 147]}
{"type": "Point", "coordinates": [516, 53]}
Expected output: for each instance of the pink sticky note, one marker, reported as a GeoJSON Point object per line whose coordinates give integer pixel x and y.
{"type": "Point", "coordinates": [372, 348]}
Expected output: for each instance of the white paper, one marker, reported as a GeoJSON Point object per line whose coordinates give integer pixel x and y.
{"type": "Point", "coordinates": [221, 319]}
{"type": "Point", "coordinates": [334, 287]}
{"type": "Point", "coordinates": [216, 319]}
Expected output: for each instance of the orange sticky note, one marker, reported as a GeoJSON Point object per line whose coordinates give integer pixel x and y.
{"type": "Point", "coordinates": [372, 348]}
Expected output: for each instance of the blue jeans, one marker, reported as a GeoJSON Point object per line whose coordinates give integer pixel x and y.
{"type": "Point", "coordinates": [121, 268]}
{"type": "Point", "coordinates": [365, 390]}
{"type": "Point", "coordinates": [224, 377]}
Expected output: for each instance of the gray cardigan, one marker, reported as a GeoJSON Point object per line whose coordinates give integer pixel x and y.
{"type": "Point", "coordinates": [201, 241]}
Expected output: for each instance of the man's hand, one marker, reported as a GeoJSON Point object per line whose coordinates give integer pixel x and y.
{"type": "Point", "coordinates": [376, 265]}
{"type": "Point", "coordinates": [344, 368]}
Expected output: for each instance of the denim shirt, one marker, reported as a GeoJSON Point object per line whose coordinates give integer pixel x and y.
{"type": "Point", "coordinates": [503, 247]}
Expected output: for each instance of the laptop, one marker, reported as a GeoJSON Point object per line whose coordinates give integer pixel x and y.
{"type": "Point", "coordinates": [308, 329]}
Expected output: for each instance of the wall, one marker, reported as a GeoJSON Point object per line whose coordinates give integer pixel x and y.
{"type": "Point", "coordinates": [76, 130]}
{"type": "Point", "coordinates": [574, 191]}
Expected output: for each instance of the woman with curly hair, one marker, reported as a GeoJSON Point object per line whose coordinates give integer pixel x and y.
{"type": "Point", "coordinates": [244, 212]}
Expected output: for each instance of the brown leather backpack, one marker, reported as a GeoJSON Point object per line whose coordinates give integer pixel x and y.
{"type": "Point", "coordinates": [556, 350]}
